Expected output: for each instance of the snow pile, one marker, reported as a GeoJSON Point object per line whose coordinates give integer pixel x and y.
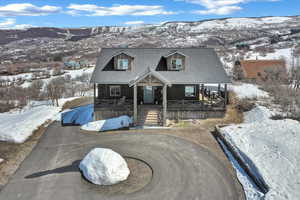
{"type": "Point", "coordinates": [104, 167]}
{"type": "Point", "coordinates": [108, 124]}
{"type": "Point", "coordinates": [17, 126]}
{"type": "Point", "coordinates": [246, 90]}
{"type": "Point", "coordinates": [273, 147]}
{"type": "Point", "coordinates": [258, 113]}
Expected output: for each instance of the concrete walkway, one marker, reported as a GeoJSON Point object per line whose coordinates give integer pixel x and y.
{"type": "Point", "coordinates": [182, 170]}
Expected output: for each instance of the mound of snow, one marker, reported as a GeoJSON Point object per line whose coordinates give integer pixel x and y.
{"type": "Point", "coordinates": [273, 147]}
{"type": "Point", "coordinates": [259, 113]}
{"type": "Point", "coordinates": [108, 124]}
{"type": "Point", "coordinates": [104, 167]}
{"type": "Point", "coordinates": [246, 90]}
{"type": "Point", "coordinates": [18, 126]}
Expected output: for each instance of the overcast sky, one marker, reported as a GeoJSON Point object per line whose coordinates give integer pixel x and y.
{"type": "Point", "coordinates": [81, 13]}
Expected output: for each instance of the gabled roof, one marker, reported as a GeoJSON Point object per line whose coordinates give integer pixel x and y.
{"type": "Point", "coordinates": [203, 66]}
{"type": "Point", "coordinates": [148, 72]}
{"type": "Point", "coordinates": [172, 53]}
{"type": "Point", "coordinates": [252, 68]}
{"type": "Point", "coordinates": [123, 52]}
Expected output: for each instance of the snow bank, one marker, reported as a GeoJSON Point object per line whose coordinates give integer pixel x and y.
{"type": "Point", "coordinates": [17, 126]}
{"type": "Point", "coordinates": [104, 167]}
{"type": "Point", "coordinates": [246, 90]}
{"type": "Point", "coordinates": [109, 124]}
{"type": "Point", "coordinates": [273, 147]}
{"type": "Point", "coordinates": [259, 113]}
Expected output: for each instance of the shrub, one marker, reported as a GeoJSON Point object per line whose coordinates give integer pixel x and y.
{"type": "Point", "coordinates": [244, 105]}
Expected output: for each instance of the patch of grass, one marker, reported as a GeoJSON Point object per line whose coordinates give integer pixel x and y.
{"type": "Point", "coordinates": [78, 102]}
{"type": "Point", "coordinates": [182, 124]}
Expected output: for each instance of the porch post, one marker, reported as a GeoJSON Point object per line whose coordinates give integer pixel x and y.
{"type": "Point", "coordinates": [165, 105]}
{"type": "Point", "coordinates": [135, 104]}
{"type": "Point", "coordinates": [94, 93]}
{"type": "Point", "coordinates": [226, 96]}
{"type": "Point", "coordinates": [202, 96]}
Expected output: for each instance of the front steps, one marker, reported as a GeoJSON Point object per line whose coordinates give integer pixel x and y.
{"type": "Point", "coordinates": [149, 116]}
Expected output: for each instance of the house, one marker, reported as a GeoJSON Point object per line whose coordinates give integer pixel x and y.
{"type": "Point", "coordinates": [158, 84]}
{"type": "Point", "coordinates": [259, 70]}
{"type": "Point", "coordinates": [72, 64]}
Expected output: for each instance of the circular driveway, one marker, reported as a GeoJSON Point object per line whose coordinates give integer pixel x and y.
{"type": "Point", "coordinates": [181, 170]}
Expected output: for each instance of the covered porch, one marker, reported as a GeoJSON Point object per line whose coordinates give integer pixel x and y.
{"type": "Point", "coordinates": [151, 92]}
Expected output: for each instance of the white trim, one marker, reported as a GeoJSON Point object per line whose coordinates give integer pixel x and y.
{"type": "Point", "coordinates": [110, 90]}
{"type": "Point", "coordinates": [172, 53]}
{"type": "Point", "coordinates": [194, 88]}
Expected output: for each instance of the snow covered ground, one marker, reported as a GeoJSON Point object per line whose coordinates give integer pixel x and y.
{"type": "Point", "coordinates": [245, 90]}
{"type": "Point", "coordinates": [17, 126]}
{"type": "Point", "coordinates": [27, 76]}
{"type": "Point", "coordinates": [273, 147]}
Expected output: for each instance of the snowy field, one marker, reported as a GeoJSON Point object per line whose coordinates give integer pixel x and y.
{"type": "Point", "coordinates": [17, 126]}
{"type": "Point", "coordinates": [273, 147]}
{"type": "Point", "coordinates": [244, 90]}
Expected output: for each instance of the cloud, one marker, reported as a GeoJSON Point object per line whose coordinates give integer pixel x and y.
{"type": "Point", "coordinates": [223, 10]}
{"type": "Point", "coordinates": [119, 10]}
{"type": "Point", "coordinates": [221, 7]}
{"type": "Point", "coordinates": [134, 22]}
{"type": "Point", "coordinates": [27, 9]}
{"type": "Point", "coordinates": [10, 23]}
{"type": "Point", "coordinates": [7, 22]}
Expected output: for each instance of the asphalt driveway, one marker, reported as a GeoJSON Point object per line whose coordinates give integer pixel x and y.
{"type": "Point", "coordinates": [181, 170]}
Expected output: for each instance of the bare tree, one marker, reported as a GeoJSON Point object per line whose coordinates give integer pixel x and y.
{"type": "Point", "coordinates": [55, 89]}
{"type": "Point", "coordinates": [34, 90]}
{"type": "Point", "coordinates": [294, 76]}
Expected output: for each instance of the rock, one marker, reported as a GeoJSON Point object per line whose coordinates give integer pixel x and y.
{"type": "Point", "coordinates": [104, 167]}
{"type": "Point", "coordinates": [1, 160]}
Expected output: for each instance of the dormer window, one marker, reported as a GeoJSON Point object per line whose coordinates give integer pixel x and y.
{"type": "Point", "coordinates": [123, 64]}
{"type": "Point", "coordinates": [176, 64]}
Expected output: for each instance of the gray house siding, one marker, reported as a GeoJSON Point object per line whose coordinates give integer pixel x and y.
{"type": "Point", "coordinates": [104, 92]}
{"type": "Point", "coordinates": [177, 92]}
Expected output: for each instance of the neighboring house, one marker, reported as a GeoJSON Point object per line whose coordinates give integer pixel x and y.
{"type": "Point", "coordinates": [259, 70]}
{"type": "Point", "coordinates": [157, 84]}
{"type": "Point", "coordinates": [72, 64]}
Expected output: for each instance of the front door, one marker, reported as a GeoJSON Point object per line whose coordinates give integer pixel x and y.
{"type": "Point", "coordinates": [148, 94]}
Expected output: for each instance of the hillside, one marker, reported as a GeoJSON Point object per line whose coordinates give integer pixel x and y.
{"type": "Point", "coordinates": [264, 35]}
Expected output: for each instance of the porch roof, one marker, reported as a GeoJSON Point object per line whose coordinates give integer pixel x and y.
{"type": "Point", "coordinates": [148, 72]}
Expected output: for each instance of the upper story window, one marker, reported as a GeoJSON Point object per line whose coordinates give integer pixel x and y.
{"type": "Point", "coordinates": [190, 91]}
{"type": "Point", "coordinates": [114, 90]}
{"type": "Point", "coordinates": [176, 64]}
{"type": "Point", "coordinates": [123, 63]}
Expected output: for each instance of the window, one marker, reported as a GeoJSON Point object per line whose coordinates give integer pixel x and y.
{"type": "Point", "coordinates": [115, 91]}
{"type": "Point", "coordinates": [176, 63]}
{"type": "Point", "coordinates": [190, 91]}
{"type": "Point", "coordinates": [123, 64]}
